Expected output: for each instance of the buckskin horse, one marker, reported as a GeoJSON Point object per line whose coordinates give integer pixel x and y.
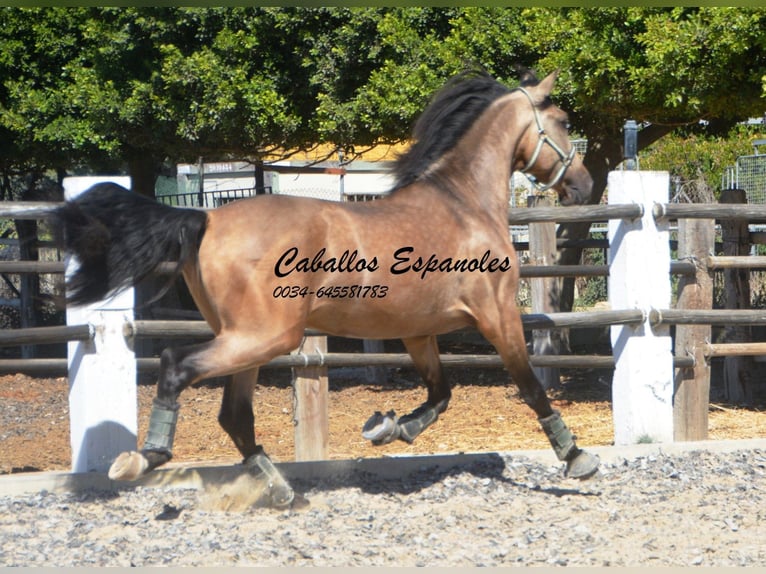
{"type": "Point", "coordinates": [431, 257]}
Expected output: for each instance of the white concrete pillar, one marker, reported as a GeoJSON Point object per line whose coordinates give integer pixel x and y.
{"type": "Point", "coordinates": [103, 403]}
{"type": "Point", "coordinates": [639, 278]}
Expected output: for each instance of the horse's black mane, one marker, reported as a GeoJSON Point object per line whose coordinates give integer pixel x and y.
{"type": "Point", "coordinates": [451, 112]}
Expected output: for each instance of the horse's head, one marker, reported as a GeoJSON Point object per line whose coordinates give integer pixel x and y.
{"type": "Point", "coordinates": [545, 152]}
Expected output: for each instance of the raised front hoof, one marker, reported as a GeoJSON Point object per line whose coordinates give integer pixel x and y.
{"type": "Point", "coordinates": [583, 466]}
{"type": "Point", "coordinates": [129, 466]}
{"type": "Point", "coordinates": [381, 429]}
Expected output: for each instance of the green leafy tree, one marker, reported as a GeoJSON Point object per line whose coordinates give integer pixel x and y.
{"type": "Point", "coordinates": [143, 84]}
{"type": "Point", "coordinates": [667, 68]}
{"type": "Point", "coordinates": [695, 156]}
{"type": "Point", "coordinates": [35, 134]}
{"type": "Point", "coordinates": [100, 88]}
{"type": "Point", "coordinates": [178, 83]}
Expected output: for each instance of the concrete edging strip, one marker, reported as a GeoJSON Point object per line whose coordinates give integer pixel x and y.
{"type": "Point", "coordinates": [201, 476]}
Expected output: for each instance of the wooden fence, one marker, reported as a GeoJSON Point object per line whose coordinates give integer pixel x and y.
{"type": "Point", "coordinates": [665, 403]}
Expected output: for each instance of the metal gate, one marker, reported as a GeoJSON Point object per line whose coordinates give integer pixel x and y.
{"type": "Point", "coordinates": [749, 173]}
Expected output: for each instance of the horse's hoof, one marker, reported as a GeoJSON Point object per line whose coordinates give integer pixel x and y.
{"type": "Point", "coordinates": [281, 495]}
{"type": "Point", "coordinates": [129, 466]}
{"type": "Point", "coordinates": [582, 466]}
{"type": "Point", "coordinates": [276, 489]}
{"type": "Point", "coordinates": [381, 429]}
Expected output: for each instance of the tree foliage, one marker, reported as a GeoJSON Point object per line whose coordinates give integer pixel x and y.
{"type": "Point", "coordinates": [692, 155]}
{"type": "Point", "coordinates": [90, 89]}
{"type": "Point", "coordinates": [96, 87]}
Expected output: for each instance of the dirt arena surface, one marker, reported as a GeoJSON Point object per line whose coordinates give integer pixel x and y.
{"type": "Point", "coordinates": [696, 508]}
{"type": "Point", "coordinates": [485, 415]}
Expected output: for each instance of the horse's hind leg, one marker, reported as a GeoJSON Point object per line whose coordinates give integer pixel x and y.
{"type": "Point", "coordinates": [178, 369]}
{"type": "Point", "coordinates": [382, 429]}
{"type": "Point", "coordinates": [509, 341]}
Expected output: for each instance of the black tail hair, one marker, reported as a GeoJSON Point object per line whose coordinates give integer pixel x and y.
{"type": "Point", "coordinates": [120, 237]}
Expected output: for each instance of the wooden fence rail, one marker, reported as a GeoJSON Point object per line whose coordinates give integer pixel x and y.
{"type": "Point", "coordinates": [526, 271]}
{"type": "Point", "coordinates": [58, 367]}
{"type": "Point", "coordinates": [45, 335]}
{"type": "Point", "coordinates": [719, 211]}
{"type": "Point", "coordinates": [626, 324]}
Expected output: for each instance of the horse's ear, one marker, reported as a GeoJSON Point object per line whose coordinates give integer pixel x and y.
{"type": "Point", "coordinates": [545, 86]}
{"type": "Point", "coordinates": [527, 77]}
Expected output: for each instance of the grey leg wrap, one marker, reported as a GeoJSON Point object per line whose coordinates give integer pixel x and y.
{"type": "Point", "coordinates": [279, 492]}
{"type": "Point", "coordinates": [580, 464]}
{"type": "Point", "coordinates": [560, 436]}
{"type": "Point", "coordinates": [162, 428]}
{"type": "Point", "coordinates": [383, 429]}
{"type": "Point", "coordinates": [411, 425]}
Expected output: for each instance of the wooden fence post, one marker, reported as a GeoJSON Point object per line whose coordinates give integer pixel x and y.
{"type": "Point", "coordinates": [29, 282]}
{"type": "Point", "coordinates": [691, 396]}
{"type": "Point", "coordinates": [374, 375]}
{"type": "Point", "coordinates": [542, 251]}
{"type": "Point", "coordinates": [639, 278]}
{"type": "Point", "coordinates": [103, 403]}
{"type": "Point", "coordinates": [737, 370]}
{"type": "Point", "coordinates": [310, 405]}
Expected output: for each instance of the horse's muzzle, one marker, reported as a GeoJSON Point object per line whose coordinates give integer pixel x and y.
{"type": "Point", "coordinates": [576, 188]}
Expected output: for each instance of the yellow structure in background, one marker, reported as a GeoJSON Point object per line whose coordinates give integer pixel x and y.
{"type": "Point", "coordinates": [329, 152]}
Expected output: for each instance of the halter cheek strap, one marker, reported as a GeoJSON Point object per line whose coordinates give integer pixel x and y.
{"type": "Point", "coordinates": [565, 158]}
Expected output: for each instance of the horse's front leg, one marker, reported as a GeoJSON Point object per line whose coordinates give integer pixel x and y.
{"type": "Point", "coordinates": [383, 429]}
{"type": "Point", "coordinates": [508, 339]}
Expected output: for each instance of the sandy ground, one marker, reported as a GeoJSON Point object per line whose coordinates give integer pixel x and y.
{"type": "Point", "coordinates": [485, 415]}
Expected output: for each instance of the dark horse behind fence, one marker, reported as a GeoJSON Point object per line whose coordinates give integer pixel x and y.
{"type": "Point", "coordinates": [433, 256]}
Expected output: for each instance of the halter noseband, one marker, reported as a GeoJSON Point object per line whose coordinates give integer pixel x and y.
{"type": "Point", "coordinates": [565, 158]}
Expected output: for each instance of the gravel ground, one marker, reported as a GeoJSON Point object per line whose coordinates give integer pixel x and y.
{"type": "Point", "coordinates": [697, 508]}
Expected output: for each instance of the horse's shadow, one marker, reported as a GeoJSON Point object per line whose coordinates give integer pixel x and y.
{"type": "Point", "coordinates": [430, 471]}
{"type": "Point", "coordinates": [380, 476]}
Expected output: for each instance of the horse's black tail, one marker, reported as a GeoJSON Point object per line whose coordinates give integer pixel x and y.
{"type": "Point", "coordinates": [120, 237]}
